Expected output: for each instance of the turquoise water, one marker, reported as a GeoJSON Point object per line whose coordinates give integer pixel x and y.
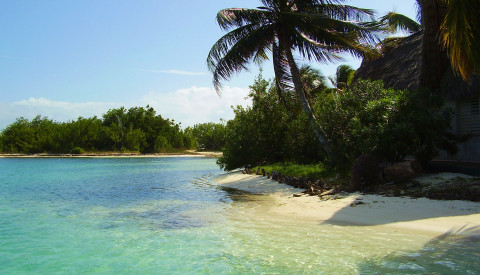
{"type": "Point", "coordinates": [166, 216]}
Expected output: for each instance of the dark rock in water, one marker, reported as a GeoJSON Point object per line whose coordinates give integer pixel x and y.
{"type": "Point", "coordinates": [263, 172]}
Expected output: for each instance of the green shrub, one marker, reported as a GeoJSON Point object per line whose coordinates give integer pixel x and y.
{"type": "Point", "coordinates": [268, 132]}
{"type": "Point", "coordinates": [368, 119]}
{"type": "Point", "coordinates": [77, 150]}
{"type": "Point", "coordinates": [311, 171]}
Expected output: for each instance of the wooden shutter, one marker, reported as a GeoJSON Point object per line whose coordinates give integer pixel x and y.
{"type": "Point", "coordinates": [469, 117]}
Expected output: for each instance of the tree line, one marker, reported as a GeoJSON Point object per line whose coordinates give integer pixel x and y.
{"type": "Point", "coordinates": [363, 118]}
{"type": "Point", "coordinates": [318, 30]}
{"type": "Point", "coordinates": [137, 129]}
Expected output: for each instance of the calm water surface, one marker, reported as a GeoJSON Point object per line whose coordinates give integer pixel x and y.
{"type": "Point", "coordinates": [166, 216]}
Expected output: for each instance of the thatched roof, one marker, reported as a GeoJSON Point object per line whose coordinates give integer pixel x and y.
{"type": "Point", "coordinates": [401, 68]}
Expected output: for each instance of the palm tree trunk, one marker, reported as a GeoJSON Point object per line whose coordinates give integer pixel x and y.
{"type": "Point", "coordinates": [435, 61]}
{"type": "Point", "coordinates": [303, 100]}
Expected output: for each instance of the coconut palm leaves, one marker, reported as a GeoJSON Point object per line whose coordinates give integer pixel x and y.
{"type": "Point", "coordinates": [343, 77]}
{"type": "Point", "coordinates": [315, 29]}
{"type": "Point", "coordinates": [395, 21]}
{"type": "Point", "coordinates": [460, 34]}
{"type": "Point", "coordinates": [456, 23]}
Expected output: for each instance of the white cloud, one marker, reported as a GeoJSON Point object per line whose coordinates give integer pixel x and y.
{"type": "Point", "coordinates": [178, 72]}
{"type": "Point", "coordinates": [197, 104]}
{"type": "Point", "coordinates": [188, 106]}
{"type": "Point", "coordinates": [56, 110]}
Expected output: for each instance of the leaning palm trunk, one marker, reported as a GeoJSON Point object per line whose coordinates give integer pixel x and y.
{"type": "Point", "coordinates": [317, 29]}
{"type": "Point", "coordinates": [305, 105]}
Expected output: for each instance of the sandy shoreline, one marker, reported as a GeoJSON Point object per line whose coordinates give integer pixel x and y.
{"type": "Point", "coordinates": [433, 216]}
{"type": "Point", "coordinates": [115, 155]}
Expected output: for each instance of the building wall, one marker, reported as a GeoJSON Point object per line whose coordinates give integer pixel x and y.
{"type": "Point", "coordinates": [466, 120]}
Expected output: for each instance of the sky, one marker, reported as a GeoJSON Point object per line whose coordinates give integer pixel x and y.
{"type": "Point", "coordinates": [66, 59]}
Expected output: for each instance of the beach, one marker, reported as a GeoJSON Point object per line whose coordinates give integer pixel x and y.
{"type": "Point", "coordinates": [170, 216]}
{"type": "Point", "coordinates": [433, 217]}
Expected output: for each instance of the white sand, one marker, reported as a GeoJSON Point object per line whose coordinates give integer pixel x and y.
{"type": "Point", "coordinates": [433, 216]}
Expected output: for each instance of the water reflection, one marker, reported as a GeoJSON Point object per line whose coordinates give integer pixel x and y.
{"type": "Point", "coordinates": [236, 195]}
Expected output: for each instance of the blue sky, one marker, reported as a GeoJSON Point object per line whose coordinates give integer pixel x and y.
{"type": "Point", "coordinates": [65, 59]}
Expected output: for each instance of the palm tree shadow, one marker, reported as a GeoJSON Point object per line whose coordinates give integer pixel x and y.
{"type": "Point", "coordinates": [381, 211]}
{"type": "Point", "coordinates": [455, 252]}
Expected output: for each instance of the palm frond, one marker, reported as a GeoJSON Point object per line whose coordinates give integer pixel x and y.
{"type": "Point", "coordinates": [222, 46]}
{"type": "Point", "coordinates": [306, 4]}
{"type": "Point", "coordinates": [328, 36]}
{"type": "Point", "coordinates": [395, 21]}
{"type": "Point", "coordinates": [226, 59]}
{"type": "Point", "coordinates": [344, 76]}
{"type": "Point", "coordinates": [318, 26]}
{"type": "Point", "coordinates": [311, 78]}
{"type": "Point", "coordinates": [343, 12]}
{"type": "Point", "coordinates": [283, 79]}
{"type": "Point", "coordinates": [420, 4]}
{"type": "Point", "coordinates": [461, 36]}
{"type": "Point", "coordinates": [313, 50]}
{"type": "Point", "coordinates": [238, 17]}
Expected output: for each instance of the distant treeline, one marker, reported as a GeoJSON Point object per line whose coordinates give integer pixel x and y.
{"type": "Point", "coordinates": [137, 129]}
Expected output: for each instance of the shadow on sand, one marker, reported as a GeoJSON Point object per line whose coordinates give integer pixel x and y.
{"type": "Point", "coordinates": [377, 210]}
{"type": "Point", "coordinates": [455, 252]}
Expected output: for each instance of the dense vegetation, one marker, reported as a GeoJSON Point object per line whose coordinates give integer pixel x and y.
{"type": "Point", "coordinates": [316, 30]}
{"type": "Point", "coordinates": [268, 133]}
{"type": "Point", "coordinates": [137, 129]}
{"type": "Point", "coordinates": [365, 119]}
{"type": "Point", "coordinates": [209, 136]}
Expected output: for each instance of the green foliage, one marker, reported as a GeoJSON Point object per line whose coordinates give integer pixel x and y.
{"type": "Point", "coordinates": [343, 77]}
{"type": "Point", "coordinates": [267, 132]}
{"type": "Point", "coordinates": [77, 150]}
{"type": "Point", "coordinates": [137, 129]}
{"type": "Point", "coordinates": [311, 171]}
{"type": "Point", "coordinates": [393, 22]}
{"type": "Point", "coordinates": [162, 144]}
{"type": "Point", "coordinates": [209, 136]}
{"type": "Point", "coordinates": [460, 35]}
{"type": "Point", "coordinates": [370, 120]}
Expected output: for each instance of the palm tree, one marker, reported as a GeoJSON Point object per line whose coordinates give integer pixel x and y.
{"type": "Point", "coordinates": [316, 29]}
{"type": "Point", "coordinates": [395, 21]}
{"type": "Point", "coordinates": [451, 37]}
{"type": "Point", "coordinates": [313, 82]}
{"type": "Point", "coordinates": [460, 35]}
{"type": "Point", "coordinates": [343, 77]}
{"type": "Point", "coordinates": [431, 14]}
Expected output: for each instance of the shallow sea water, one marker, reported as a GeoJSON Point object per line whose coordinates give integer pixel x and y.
{"type": "Point", "coordinates": [166, 216]}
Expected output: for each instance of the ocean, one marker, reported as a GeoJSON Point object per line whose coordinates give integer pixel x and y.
{"type": "Point", "coordinates": [167, 216]}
